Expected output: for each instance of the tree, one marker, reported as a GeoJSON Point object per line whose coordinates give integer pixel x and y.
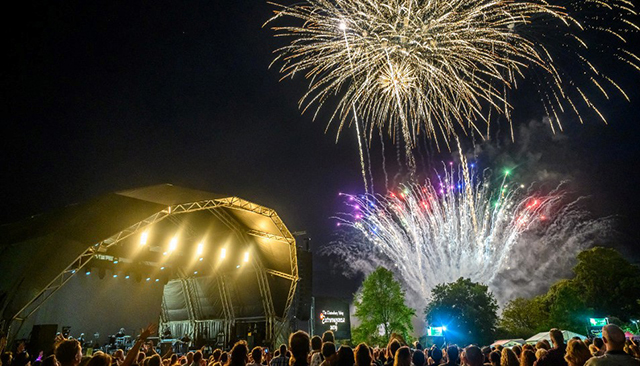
{"type": "Point", "coordinates": [522, 318]}
{"type": "Point", "coordinates": [467, 309]}
{"type": "Point", "coordinates": [566, 306]}
{"type": "Point", "coordinates": [381, 309]}
{"type": "Point", "coordinates": [608, 283]}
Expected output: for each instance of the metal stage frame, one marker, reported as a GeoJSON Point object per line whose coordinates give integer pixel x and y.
{"type": "Point", "coordinates": [275, 323]}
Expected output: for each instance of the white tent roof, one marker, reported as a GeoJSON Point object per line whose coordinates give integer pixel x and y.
{"type": "Point", "coordinates": [567, 334]}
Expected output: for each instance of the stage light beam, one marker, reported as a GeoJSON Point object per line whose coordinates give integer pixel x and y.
{"type": "Point", "coordinates": [173, 244]}
{"type": "Point", "coordinates": [223, 253]}
{"type": "Point", "coordinates": [246, 257]}
{"type": "Point", "coordinates": [143, 238]}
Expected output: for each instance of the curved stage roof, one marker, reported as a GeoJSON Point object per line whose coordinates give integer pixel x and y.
{"type": "Point", "coordinates": [217, 254]}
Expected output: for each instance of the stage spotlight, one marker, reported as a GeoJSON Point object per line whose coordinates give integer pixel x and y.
{"type": "Point", "coordinates": [246, 257]}
{"type": "Point", "coordinates": [157, 280]}
{"type": "Point", "coordinates": [196, 272]}
{"type": "Point", "coordinates": [115, 276]}
{"type": "Point", "coordinates": [143, 238]}
{"type": "Point", "coordinates": [116, 260]}
{"type": "Point", "coordinates": [173, 244]}
{"type": "Point", "coordinates": [162, 268]}
{"type": "Point", "coordinates": [87, 272]}
{"type": "Point", "coordinates": [126, 275]}
{"type": "Point", "coordinates": [223, 253]}
{"type": "Point", "coordinates": [200, 250]}
{"type": "Point", "coordinates": [148, 278]}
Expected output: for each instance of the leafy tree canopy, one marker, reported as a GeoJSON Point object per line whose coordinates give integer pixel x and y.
{"type": "Point", "coordinates": [380, 307]}
{"type": "Point", "coordinates": [466, 308]}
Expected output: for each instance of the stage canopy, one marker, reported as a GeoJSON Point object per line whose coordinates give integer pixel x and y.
{"type": "Point", "coordinates": [222, 259]}
{"type": "Point", "coordinates": [567, 334]}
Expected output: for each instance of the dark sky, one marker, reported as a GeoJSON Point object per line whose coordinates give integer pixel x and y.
{"type": "Point", "coordinates": [101, 96]}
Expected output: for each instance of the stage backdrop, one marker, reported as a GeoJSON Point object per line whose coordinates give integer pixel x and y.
{"type": "Point", "coordinates": [88, 305]}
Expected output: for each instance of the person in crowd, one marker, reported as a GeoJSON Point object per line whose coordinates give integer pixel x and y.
{"type": "Point", "coordinates": [216, 355]}
{"type": "Point", "coordinates": [418, 358]}
{"type": "Point", "coordinates": [299, 347]}
{"type": "Point", "coordinates": [541, 352]}
{"type": "Point", "coordinates": [529, 347]}
{"type": "Point", "coordinates": [614, 341]}
{"type": "Point", "coordinates": [68, 352]}
{"type": "Point", "coordinates": [634, 350]}
{"type": "Point", "coordinates": [189, 358]}
{"type": "Point", "coordinates": [197, 358]}
{"type": "Point", "coordinates": [494, 358]}
{"type": "Point", "coordinates": [402, 357]}
{"type": "Point", "coordinates": [527, 357]}
{"type": "Point", "coordinates": [154, 360]}
{"type": "Point", "coordinates": [224, 357]}
{"type": "Point", "coordinates": [50, 361]}
{"type": "Point", "coordinates": [363, 355]}
{"type": "Point", "coordinates": [485, 352]}
{"type": "Point", "coordinates": [577, 353]}
{"type": "Point", "coordinates": [555, 356]}
{"type": "Point", "coordinates": [542, 345]}
{"type": "Point", "coordinates": [316, 351]}
{"type": "Point", "coordinates": [140, 358]}
{"type": "Point", "coordinates": [345, 356]}
{"type": "Point", "coordinates": [329, 354]}
{"type": "Point", "coordinates": [256, 355]}
{"type": "Point", "coordinates": [598, 344]}
{"type": "Point", "coordinates": [517, 349]}
{"type": "Point", "coordinates": [100, 359]}
{"type": "Point", "coordinates": [118, 356]}
{"type": "Point", "coordinates": [239, 354]}
{"type": "Point", "coordinates": [508, 358]}
{"type": "Point", "coordinates": [392, 348]}
{"type": "Point", "coordinates": [453, 355]}
{"type": "Point", "coordinates": [280, 358]}
{"type": "Point", "coordinates": [472, 356]}
{"type": "Point", "coordinates": [436, 356]}
{"type": "Point", "coordinates": [21, 357]}
{"type": "Point", "coordinates": [382, 358]}
{"type": "Point", "coordinates": [417, 345]}
{"type": "Point", "coordinates": [6, 358]}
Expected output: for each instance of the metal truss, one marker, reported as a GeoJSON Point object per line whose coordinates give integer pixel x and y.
{"type": "Point", "coordinates": [61, 279]}
{"type": "Point", "coordinates": [263, 235]}
{"type": "Point", "coordinates": [230, 202]}
{"type": "Point", "coordinates": [227, 307]}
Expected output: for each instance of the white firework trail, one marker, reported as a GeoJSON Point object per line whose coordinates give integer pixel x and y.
{"type": "Point", "coordinates": [501, 234]}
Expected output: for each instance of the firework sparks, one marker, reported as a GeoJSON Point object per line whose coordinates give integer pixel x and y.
{"type": "Point", "coordinates": [441, 66]}
{"type": "Point", "coordinates": [463, 226]}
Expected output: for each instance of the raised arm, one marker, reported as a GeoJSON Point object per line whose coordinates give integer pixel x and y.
{"type": "Point", "coordinates": [133, 352]}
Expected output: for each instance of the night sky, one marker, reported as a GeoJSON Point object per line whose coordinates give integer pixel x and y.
{"type": "Point", "coordinates": [101, 96]}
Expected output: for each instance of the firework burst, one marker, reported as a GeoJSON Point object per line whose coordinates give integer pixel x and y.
{"type": "Point", "coordinates": [461, 225]}
{"type": "Point", "coordinates": [441, 66]}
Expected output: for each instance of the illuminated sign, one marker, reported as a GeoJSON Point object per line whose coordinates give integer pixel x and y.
{"type": "Point", "coordinates": [598, 322]}
{"type": "Point", "coordinates": [333, 318]}
{"type": "Point", "coordinates": [332, 314]}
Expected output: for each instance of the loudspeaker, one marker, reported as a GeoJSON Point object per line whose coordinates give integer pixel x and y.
{"type": "Point", "coordinates": [42, 338]}
{"type": "Point", "coordinates": [305, 271]}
